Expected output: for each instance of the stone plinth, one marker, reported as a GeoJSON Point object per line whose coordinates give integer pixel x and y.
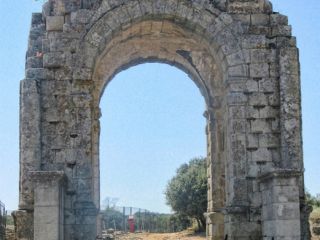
{"type": "Point", "coordinates": [48, 204]}
{"type": "Point", "coordinates": [281, 204]}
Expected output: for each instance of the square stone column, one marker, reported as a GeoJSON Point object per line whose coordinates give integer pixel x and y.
{"type": "Point", "coordinates": [281, 205]}
{"type": "Point", "coordinates": [48, 204]}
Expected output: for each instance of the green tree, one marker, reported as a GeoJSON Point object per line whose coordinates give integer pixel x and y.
{"type": "Point", "coordinates": [112, 218]}
{"type": "Point", "coordinates": [179, 222]}
{"type": "Point", "coordinates": [312, 200]}
{"type": "Point", "coordinates": [186, 192]}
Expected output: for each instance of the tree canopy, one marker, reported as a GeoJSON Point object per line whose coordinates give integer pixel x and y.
{"type": "Point", "coordinates": [186, 192]}
{"type": "Point", "coordinates": [112, 218]}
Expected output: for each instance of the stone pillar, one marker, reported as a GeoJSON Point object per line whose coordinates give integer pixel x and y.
{"type": "Point", "coordinates": [96, 165]}
{"type": "Point", "coordinates": [241, 217]}
{"type": "Point", "coordinates": [280, 209]}
{"type": "Point", "coordinates": [30, 143]}
{"type": "Point", "coordinates": [215, 174]}
{"type": "Point", "coordinates": [48, 204]}
{"type": "Point", "coordinates": [291, 124]}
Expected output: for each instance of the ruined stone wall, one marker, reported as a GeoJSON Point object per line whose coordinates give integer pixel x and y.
{"type": "Point", "coordinates": [239, 53]}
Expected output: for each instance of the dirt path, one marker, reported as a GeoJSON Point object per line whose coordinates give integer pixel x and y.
{"type": "Point", "coordinates": [161, 236]}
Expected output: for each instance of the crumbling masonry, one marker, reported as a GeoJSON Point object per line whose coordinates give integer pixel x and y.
{"type": "Point", "coordinates": [239, 53]}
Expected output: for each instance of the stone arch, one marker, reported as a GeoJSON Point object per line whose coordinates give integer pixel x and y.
{"type": "Point", "coordinates": [151, 40]}
{"type": "Point", "coordinates": [242, 57]}
{"type": "Point", "coordinates": [178, 52]}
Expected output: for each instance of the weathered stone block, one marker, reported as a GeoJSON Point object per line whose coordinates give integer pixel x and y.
{"type": "Point", "coordinates": [269, 140]}
{"type": "Point", "coordinates": [274, 70]}
{"type": "Point", "coordinates": [260, 126]}
{"type": "Point", "coordinates": [281, 211]}
{"type": "Point", "coordinates": [84, 231]}
{"type": "Point", "coordinates": [63, 45]}
{"type": "Point", "coordinates": [281, 228]}
{"type": "Point", "coordinates": [254, 41]}
{"type": "Point", "coordinates": [258, 100]}
{"type": "Point", "coordinates": [238, 57]}
{"type": "Point", "coordinates": [262, 155]}
{"type": "Point", "coordinates": [253, 170]}
{"type": "Point", "coordinates": [262, 55]}
{"type": "Point", "coordinates": [236, 98]}
{"type": "Point", "coordinates": [54, 23]}
{"type": "Point", "coordinates": [82, 16]}
{"type": "Point", "coordinates": [278, 19]}
{"type": "Point", "coordinates": [269, 112]}
{"type": "Point", "coordinates": [134, 10]}
{"type": "Point", "coordinates": [252, 113]}
{"type": "Point", "coordinates": [283, 31]}
{"type": "Point", "coordinates": [274, 99]}
{"type": "Point", "coordinates": [82, 74]}
{"type": "Point", "coordinates": [238, 71]}
{"type": "Point", "coordinates": [39, 73]}
{"type": "Point", "coordinates": [34, 62]}
{"type": "Point", "coordinates": [259, 70]}
{"type": "Point", "coordinates": [36, 19]}
{"type": "Point", "coordinates": [268, 85]}
{"type": "Point", "coordinates": [252, 86]}
{"type": "Point", "coordinates": [252, 141]}
{"type": "Point", "coordinates": [259, 30]}
{"type": "Point", "coordinates": [240, 192]}
{"type": "Point", "coordinates": [249, 6]}
{"type": "Point", "coordinates": [238, 125]}
{"type": "Point", "coordinates": [260, 19]}
{"type": "Point", "coordinates": [244, 18]}
{"type": "Point", "coordinates": [53, 60]}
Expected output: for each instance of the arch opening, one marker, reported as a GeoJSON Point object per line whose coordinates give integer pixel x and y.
{"type": "Point", "coordinates": [152, 119]}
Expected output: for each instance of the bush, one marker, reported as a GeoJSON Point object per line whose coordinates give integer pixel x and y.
{"type": "Point", "coordinates": [312, 200]}
{"type": "Point", "coordinates": [186, 192]}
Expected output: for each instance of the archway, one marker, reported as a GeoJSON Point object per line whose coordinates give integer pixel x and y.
{"type": "Point", "coordinates": [242, 57]}
{"type": "Point", "coordinates": [152, 122]}
{"type": "Point", "coordinates": [165, 42]}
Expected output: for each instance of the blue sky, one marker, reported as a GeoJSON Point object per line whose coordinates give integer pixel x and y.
{"type": "Point", "coordinates": [152, 122]}
{"type": "Point", "coordinates": [152, 114]}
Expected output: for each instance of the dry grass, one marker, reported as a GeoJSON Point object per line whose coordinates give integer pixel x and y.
{"type": "Point", "coordinates": [315, 215]}
{"type": "Point", "coordinates": [185, 235]}
{"type": "Point", "coordinates": [314, 222]}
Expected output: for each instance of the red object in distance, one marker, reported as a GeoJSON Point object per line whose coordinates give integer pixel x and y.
{"type": "Point", "coordinates": [131, 224]}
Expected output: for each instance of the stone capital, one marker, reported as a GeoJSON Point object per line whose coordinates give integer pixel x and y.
{"type": "Point", "coordinates": [214, 217]}
{"type": "Point", "coordinates": [47, 176]}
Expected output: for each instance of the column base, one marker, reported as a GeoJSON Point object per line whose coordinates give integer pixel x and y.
{"type": "Point", "coordinates": [215, 225]}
